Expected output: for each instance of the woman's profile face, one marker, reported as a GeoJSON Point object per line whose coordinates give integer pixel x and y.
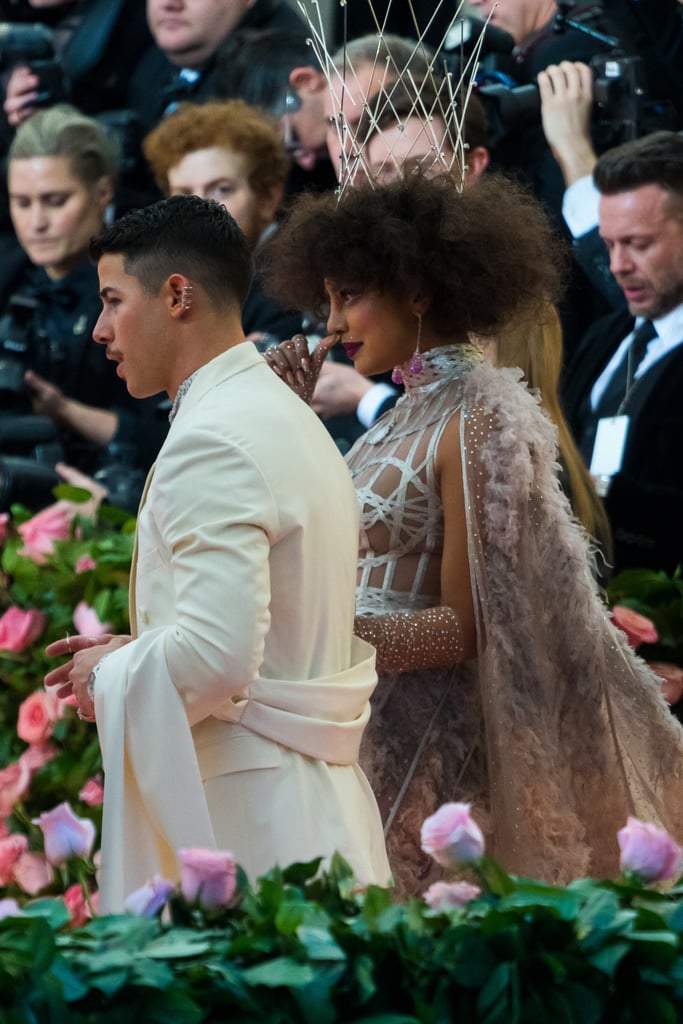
{"type": "Point", "coordinates": [378, 331]}
{"type": "Point", "coordinates": [54, 213]}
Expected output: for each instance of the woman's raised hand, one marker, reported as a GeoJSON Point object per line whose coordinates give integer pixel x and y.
{"type": "Point", "coordinates": [296, 366]}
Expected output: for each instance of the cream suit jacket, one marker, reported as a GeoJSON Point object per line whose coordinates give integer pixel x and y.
{"type": "Point", "coordinates": [233, 718]}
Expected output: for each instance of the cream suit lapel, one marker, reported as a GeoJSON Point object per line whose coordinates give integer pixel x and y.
{"type": "Point", "coordinates": [132, 610]}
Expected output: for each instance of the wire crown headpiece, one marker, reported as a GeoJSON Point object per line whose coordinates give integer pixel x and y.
{"type": "Point", "coordinates": [411, 83]}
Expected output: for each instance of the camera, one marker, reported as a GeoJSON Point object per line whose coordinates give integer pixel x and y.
{"type": "Point", "coordinates": [619, 106]}
{"type": "Point", "coordinates": [33, 45]}
{"type": "Point", "coordinates": [19, 351]}
{"type": "Point", "coordinates": [627, 76]}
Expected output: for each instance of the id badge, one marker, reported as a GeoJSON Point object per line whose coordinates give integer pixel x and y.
{"type": "Point", "coordinates": [609, 446]}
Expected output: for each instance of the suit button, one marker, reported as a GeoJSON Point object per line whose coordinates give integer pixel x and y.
{"type": "Point", "coordinates": [144, 618]}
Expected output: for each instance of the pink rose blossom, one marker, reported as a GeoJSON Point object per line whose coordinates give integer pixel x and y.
{"type": "Point", "coordinates": [40, 533]}
{"type": "Point", "coordinates": [37, 756]}
{"type": "Point", "coordinates": [65, 834]}
{"type": "Point", "coordinates": [4, 520]}
{"type": "Point", "coordinates": [672, 680]}
{"type": "Point", "coordinates": [4, 830]}
{"type": "Point", "coordinates": [648, 851]}
{"type": "Point", "coordinates": [34, 725]}
{"type": "Point", "coordinates": [452, 837]}
{"type": "Point", "coordinates": [77, 905]}
{"type": "Point", "coordinates": [32, 873]}
{"type": "Point", "coordinates": [87, 621]}
{"type": "Point", "coordinates": [207, 877]}
{"type": "Point", "coordinates": [92, 793]}
{"type": "Point", "coordinates": [11, 850]}
{"type": "Point", "coordinates": [84, 563]}
{"type": "Point", "coordinates": [55, 705]}
{"type": "Point", "coordinates": [9, 908]}
{"type": "Point", "coordinates": [447, 895]}
{"type": "Point", "coordinates": [19, 629]}
{"type": "Point", "coordinates": [150, 898]}
{"type": "Point", "coordinates": [14, 782]}
{"type": "Point", "coordinates": [638, 629]}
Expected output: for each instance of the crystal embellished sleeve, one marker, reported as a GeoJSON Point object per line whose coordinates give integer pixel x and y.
{"type": "Point", "coordinates": [406, 641]}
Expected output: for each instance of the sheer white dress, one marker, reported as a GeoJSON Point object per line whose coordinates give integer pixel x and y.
{"type": "Point", "coordinates": [556, 731]}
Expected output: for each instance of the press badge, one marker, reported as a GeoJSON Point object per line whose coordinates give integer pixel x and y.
{"type": "Point", "coordinates": [610, 442]}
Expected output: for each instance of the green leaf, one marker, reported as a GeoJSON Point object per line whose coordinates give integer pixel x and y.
{"type": "Point", "coordinates": [319, 944]}
{"type": "Point", "coordinates": [282, 972]}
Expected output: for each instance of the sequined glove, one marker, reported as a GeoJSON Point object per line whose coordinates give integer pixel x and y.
{"type": "Point", "coordinates": [406, 641]}
{"type": "Point", "coordinates": [296, 366]}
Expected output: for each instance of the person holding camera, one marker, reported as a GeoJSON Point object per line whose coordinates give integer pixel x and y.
{"type": "Point", "coordinates": [61, 174]}
{"type": "Point", "coordinates": [78, 50]}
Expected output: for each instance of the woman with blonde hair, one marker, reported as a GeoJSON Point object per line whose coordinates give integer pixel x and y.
{"type": "Point", "coordinates": [535, 346]}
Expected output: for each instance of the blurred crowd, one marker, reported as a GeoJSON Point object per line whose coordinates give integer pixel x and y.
{"type": "Point", "coordinates": [112, 104]}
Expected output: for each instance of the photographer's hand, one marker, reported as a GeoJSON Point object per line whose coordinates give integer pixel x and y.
{"type": "Point", "coordinates": [98, 425]}
{"type": "Point", "coordinates": [22, 90]}
{"type": "Point", "coordinates": [566, 92]}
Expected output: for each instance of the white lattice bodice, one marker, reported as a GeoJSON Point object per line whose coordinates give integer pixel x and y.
{"type": "Point", "coordinates": [393, 468]}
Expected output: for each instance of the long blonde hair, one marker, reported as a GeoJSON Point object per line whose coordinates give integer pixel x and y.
{"type": "Point", "coordinates": [535, 346]}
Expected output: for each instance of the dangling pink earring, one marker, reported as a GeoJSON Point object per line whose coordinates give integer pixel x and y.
{"type": "Point", "coordinates": [416, 363]}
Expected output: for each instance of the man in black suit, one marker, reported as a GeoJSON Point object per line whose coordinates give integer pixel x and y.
{"type": "Point", "coordinates": [623, 388]}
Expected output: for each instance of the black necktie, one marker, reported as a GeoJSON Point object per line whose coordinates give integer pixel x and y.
{"type": "Point", "coordinates": [619, 385]}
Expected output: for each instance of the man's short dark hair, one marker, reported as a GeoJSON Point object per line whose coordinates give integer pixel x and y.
{"type": "Point", "coordinates": [181, 235]}
{"type": "Point", "coordinates": [255, 64]}
{"type": "Point", "coordinates": [655, 159]}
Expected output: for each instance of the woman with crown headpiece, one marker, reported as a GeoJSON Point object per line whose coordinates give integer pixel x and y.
{"type": "Point", "coordinates": [501, 680]}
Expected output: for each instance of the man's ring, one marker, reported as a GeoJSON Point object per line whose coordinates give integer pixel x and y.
{"type": "Point", "coordinates": [68, 645]}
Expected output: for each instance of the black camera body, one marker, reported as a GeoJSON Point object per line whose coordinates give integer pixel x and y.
{"type": "Point", "coordinates": [625, 76]}
{"type": "Point", "coordinates": [33, 45]}
{"type": "Point", "coordinates": [23, 348]}
{"type": "Point", "coordinates": [620, 107]}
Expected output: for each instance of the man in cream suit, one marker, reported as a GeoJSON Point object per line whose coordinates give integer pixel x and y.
{"type": "Point", "coordinates": [232, 717]}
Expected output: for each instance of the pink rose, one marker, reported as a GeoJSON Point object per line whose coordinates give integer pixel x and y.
{"type": "Point", "coordinates": [9, 908]}
{"type": "Point", "coordinates": [207, 877]}
{"type": "Point", "coordinates": [14, 782]}
{"type": "Point", "coordinates": [447, 895]}
{"type": "Point", "coordinates": [150, 898]}
{"type": "Point", "coordinates": [452, 837]}
{"type": "Point", "coordinates": [648, 851]}
{"type": "Point", "coordinates": [40, 533]}
{"type": "Point", "coordinates": [32, 873]}
{"type": "Point", "coordinates": [77, 905]}
{"type": "Point", "coordinates": [87, 621]}
{"type": "Point", "coordinates": [65, 834]}
{"type": "Point", "coordinates": [4, 520]}
{"type": "Point", "coordinates": [37, 756]}
{"type": "Point", "coordinates": [11, 850]}
{"type": "Point", "coordinates": [84, 563]}
{"type": "Point", "coordinates": [55, 705]}
{"type": "Point", "coordinates": [672, 680]}
{"type": "Point", "coordinates": [19, 629]}
{"type": "Point", "coordinates": [34, 725]}
{"type": "Point", "coordinates": [639, 630]}
{"type": "Point", "coordinates": [92, 793]}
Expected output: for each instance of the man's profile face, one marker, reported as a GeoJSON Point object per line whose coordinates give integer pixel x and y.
{"type": "Point", "coordinates": [643, 231]}
{"type": "Point", "coordinates": [188, 31]}
{"type": "Point", "coordinates": [132, 325]}
{"type": "Point", "coordinates": [304, 129]}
